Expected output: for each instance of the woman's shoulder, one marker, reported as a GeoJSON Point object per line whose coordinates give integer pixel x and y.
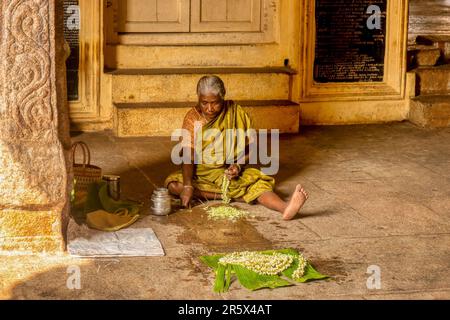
{"type": "Point", "coordinates": [234, 105]}
{"type": "Point", "coordinates": [192, 114]}
{"type": "Point", "coordinates": [237, 108]}
{"type": "Point", "coordinates": [240, 113]}
{"type": "Point", "coordinates": [191, 117]}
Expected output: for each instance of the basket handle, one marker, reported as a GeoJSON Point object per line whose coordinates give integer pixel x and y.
{"type": "Point", "coordinates": [86, 152]}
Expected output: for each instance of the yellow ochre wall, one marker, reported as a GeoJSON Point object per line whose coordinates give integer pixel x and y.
{"type": "Point", "coordinates": [292, 38]}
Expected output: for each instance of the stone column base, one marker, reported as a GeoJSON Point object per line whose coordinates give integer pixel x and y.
{"type": "Point", "coordinates": [35, 168]}
{"type": "Point", "coordinates": [29, 232]}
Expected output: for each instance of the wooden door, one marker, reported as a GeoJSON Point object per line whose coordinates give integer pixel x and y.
{"type": "Point", "coordinates": [153, 16]}
{"type": "Point", "coordinates": [226, 15]}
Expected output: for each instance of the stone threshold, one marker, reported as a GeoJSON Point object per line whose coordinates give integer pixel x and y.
{"type": "Point", "coordinates": [208, 70]}
{"type": "Point", "coordinates": [439, 97]}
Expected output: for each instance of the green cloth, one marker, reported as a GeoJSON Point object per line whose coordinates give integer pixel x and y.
{"type": "Point", "coordinates": [251, 182]}
{"type": "Point", "coordinates": [99, 211]}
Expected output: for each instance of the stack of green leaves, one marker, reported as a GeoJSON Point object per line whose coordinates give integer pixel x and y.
{"type": "Point", "coordinates": [261, 269]}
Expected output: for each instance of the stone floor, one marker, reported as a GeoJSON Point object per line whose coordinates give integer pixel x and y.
{"type": "Point", "coordinates": [380, 195]}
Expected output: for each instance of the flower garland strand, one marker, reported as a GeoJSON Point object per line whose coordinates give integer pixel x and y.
{"type": "Point", "coordinates": [300, 271]}
{"type": "Point", "coordinates": [225, 186]}
{"type": "Point", "coordinates": [266, 264]}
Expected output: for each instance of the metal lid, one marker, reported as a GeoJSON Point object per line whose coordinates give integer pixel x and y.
{"type": "Point", "coordinates": [161, 191]}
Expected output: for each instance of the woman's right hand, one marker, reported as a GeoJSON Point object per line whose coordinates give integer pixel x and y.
{"type": "Point", "coordinates": [186, 195]}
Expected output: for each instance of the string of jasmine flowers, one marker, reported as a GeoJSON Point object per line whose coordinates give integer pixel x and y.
{"type": "Point", "coordinates": [300, 271]}
{"type": "Point", "coordinates": [225, 186]}
{"type": "Point", "coordinates": [260, 263]}
{"type": "Point", "coordinates": [266, 264]}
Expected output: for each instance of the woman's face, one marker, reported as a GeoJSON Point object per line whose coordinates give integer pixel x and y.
{"type": "Point", "coordinates": [210, 105]}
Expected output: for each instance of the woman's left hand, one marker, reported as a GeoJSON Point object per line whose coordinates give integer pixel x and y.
{"type": "Point", "coordinates": [232, 172]}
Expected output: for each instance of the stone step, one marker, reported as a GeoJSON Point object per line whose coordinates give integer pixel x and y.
{"type": "Point", "coordinates": [179, 84]}
{"type": "Point", "coordinates": [431, 20]}
{"type": "Point", "coordinates": [423, 55]}
{"type": "Point", "coordinates": [134, 56]}
{"type": "Point", "coordinates": [441, 42]}
{"type": "Point", "coordinates": [161, 119]}
{"type": "Point", "coordinates": [433, 80]}
{"type": "Point", "coordinates": [430, 111]}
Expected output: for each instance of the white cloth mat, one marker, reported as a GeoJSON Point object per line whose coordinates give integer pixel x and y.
{"type": "Point", "coordinates": [128, 242]}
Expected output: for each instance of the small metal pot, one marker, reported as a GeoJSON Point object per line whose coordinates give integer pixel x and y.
{"type": "Point", "coordinates": [161, 202]}
{"type": "Point", "coordinates": [113, 183]}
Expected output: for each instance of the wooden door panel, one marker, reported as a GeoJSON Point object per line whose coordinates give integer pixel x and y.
{"type": "Point", "coordinates": [226, 15]}
{"type": "Point", "coordinates": [139, 10]}
{"type": "Point", "coordinates": [213, 10]}
{"type": "Point", "coordinates": [168, 10]}
{"type": "Point", "coordinates": [153, 16]}
{"type": "Point", "coordinates": [239, 10]}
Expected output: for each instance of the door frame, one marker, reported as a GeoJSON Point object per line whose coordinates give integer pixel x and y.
{"type": "Point", "coordinates": [393, 84]}
{"type": "Point", "coordinates": [91, 61]}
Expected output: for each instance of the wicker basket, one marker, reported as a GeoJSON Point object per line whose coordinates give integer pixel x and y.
{"type": "Point", "coordinates": [84, 173]}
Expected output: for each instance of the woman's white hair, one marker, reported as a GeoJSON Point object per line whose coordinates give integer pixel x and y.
{"type": "Point", "coordinates": [211, 85]}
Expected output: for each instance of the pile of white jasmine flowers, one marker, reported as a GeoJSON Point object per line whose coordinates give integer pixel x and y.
{"type": "Point", "coordinates": [225, 213]}
{"type": "Point", "coordinates": [265, 264]}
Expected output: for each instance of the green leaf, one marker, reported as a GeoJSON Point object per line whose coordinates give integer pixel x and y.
{"type": "Point", "coordinates": [289, 271]}
{"type": "Point", "coordinates": [311, 274]}
{"type": "Point", "coordinates": [219, 284]}
{"type": "Point", "coordinates": [228, 277]}
{"type": "Point", "coordinates": [254, 281]}
{"type": "Point", "coordinates": [211, 261]}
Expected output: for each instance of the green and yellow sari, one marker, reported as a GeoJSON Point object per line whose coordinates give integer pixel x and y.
{"type": "Point", "coordinates": [251, 182]}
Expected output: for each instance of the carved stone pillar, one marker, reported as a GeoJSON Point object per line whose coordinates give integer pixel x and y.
{"type": "Point", "coordinates": [34, 128]}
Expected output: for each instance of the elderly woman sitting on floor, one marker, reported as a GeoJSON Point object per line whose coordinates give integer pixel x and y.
{"type": "Point", "coordinates": [204, 180]}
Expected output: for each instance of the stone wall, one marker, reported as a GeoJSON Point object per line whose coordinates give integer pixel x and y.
{"type": "Point", "coordinates": [34, 134]}
{"type": "Point", "coordinates": [429, 17]}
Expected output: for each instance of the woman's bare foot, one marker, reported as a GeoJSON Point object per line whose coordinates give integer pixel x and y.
{"type": "Point", "coordinates": [297, 201]}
